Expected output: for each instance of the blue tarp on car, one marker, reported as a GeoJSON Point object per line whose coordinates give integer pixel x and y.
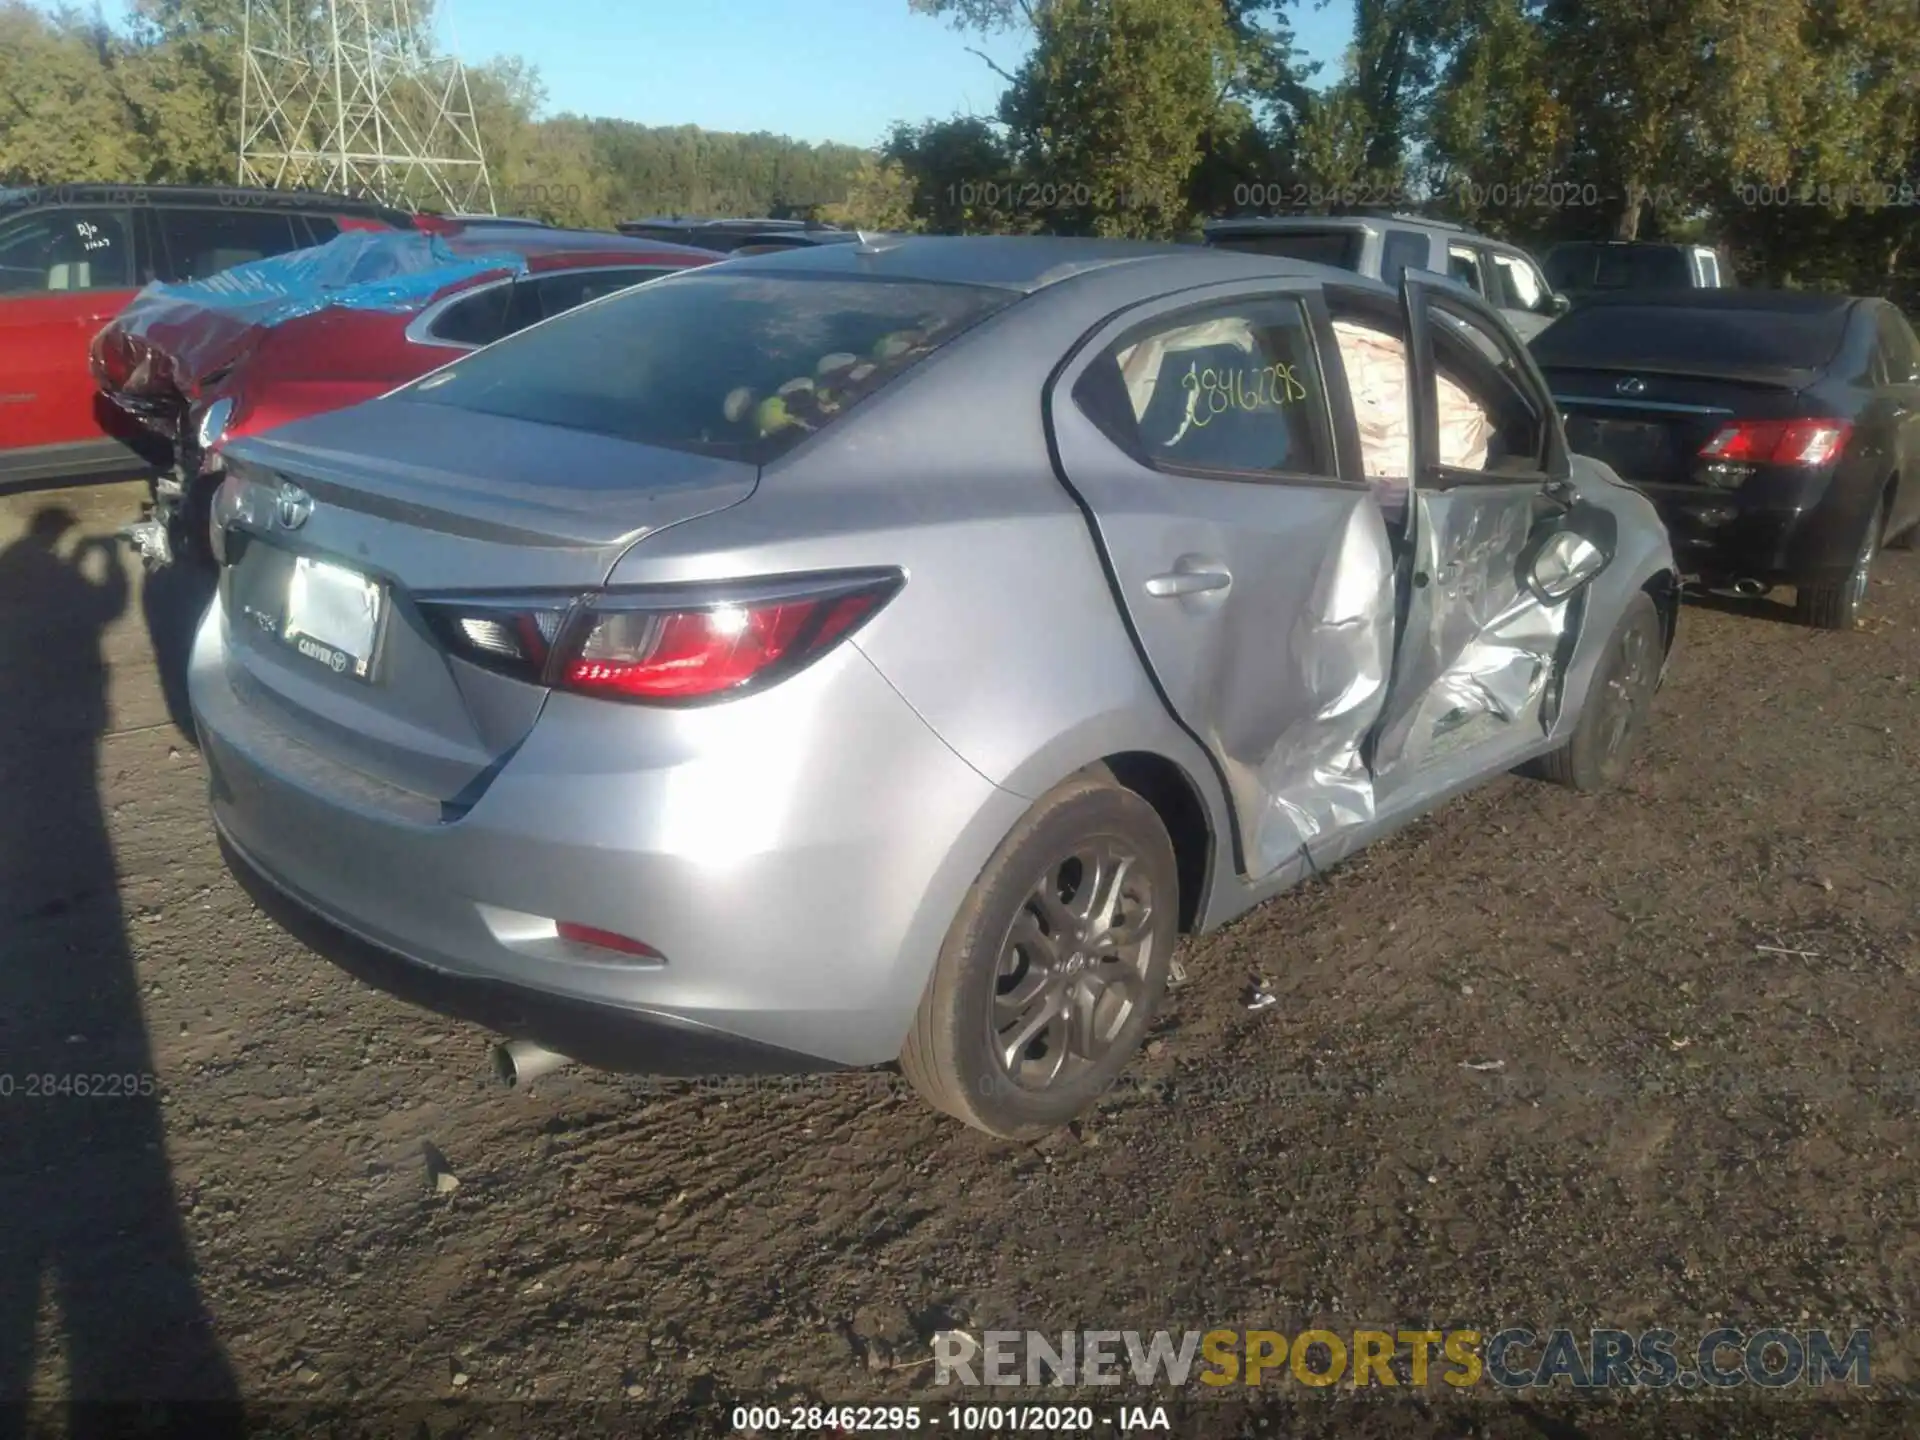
{"type": "Point", "coordinates": [173, 337]}
{"type": "Point", "coordinates": [390, 270]}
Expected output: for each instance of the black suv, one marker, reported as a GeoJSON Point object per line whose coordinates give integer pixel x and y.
{"type": "Point", "coordinates": [1580, 268]}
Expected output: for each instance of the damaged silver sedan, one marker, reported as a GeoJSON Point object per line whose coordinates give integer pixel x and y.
{"type": "Point", "coordinates": [887, 651]}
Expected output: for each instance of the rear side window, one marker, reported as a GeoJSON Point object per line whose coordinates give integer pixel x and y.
{"type": "Point", "coordinates": [1519, 285]}
{"type": "Point", "coordinates": [1403, 250]}
{"type": "Point", "coordinates": [739, 365]}
{"type": "Point", "coordinates": [1339, 248]}
{"type": "Point", "coordinates": [1679, 334]}
{"type": "Point", "coordinates": [1233, 389]}
{"type": "Point", "coordinates": [546, 296]}
{"type": "Point", "coordinates": [1463, 265]}
{"type": "Point", "coordinates": [477, 319]}
{"type": "Point", "coordinates": [54, 251]}
{"type": "Point", "coordinates": [204, 242]}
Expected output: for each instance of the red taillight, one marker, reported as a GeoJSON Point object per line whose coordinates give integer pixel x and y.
{"type": "Point", "coordinates": [606, 940]}
{"type": "Point", "coordinates": [1778, 442]}
{"type": "Point", "coordinates": [638, 647]}
{"type": "Point", "coordinates": [689, 654]}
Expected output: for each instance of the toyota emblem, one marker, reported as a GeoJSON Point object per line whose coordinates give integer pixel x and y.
{"type": "Point", "coordinates": [293, 507]}
{"type": "Point", "coordinates": [1632, 385]}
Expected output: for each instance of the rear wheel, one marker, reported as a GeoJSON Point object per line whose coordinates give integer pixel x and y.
{"type": "Point", "coordinates": [1610, 729]}
{"type": "Point", "coordinates": [1054, 966]}
{"type": "Point", "coordinates": [1837, 606]}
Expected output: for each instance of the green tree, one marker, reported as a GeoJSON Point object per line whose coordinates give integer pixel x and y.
{"type": "Point", "coordinates": [61, 116]}
{"type": "Point", "coordinates": [879, 197]}
{"type": "Point", "coordinates": [1108, 113]}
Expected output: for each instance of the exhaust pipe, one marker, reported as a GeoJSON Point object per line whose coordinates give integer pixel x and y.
{"type": "Point", "coordinates": [521, 1062]}
{"type": "Point", "coordinates": [1748, 589]}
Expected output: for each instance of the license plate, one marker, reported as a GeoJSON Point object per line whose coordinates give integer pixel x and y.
{"type": "Point", "coordinates": [333, 616]}
{"type": "Point", "coordinates": [1636, 449]}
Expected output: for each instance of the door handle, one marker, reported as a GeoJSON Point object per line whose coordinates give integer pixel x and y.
{"type": "Point", "coordinates": [1187, 582]}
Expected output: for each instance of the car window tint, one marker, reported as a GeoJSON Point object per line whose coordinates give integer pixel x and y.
{"type": "Point", "coordinates": [1463, 265]}
{"type": "Point", "coordinates": [477, 319]}
{"type": "Point", "coordinates": [1489, 418]}
{"type": "Point", "coordinates": [738, 364]}
{"type": "Point", "coordinates": [1403, 250]}
{"type": "Point", "coordinates": [1521, 287]}
{"type": "Point", "coordinates": [569, 289]}
{"type": "Point", "coordinates": [54, 251]}
{"type": "Point", "coordinates": [1675, 333]}
{"type": "Point", "coordinates": [1229, 388]}
{"type": "Point", "coordinates": [1338, 247]}
{"type": "Point", "coordinates": [205, 242]}
{"type": "Point", "coordinates": [1570, 267]}
{"type": "Point", "coordinates": [1641, 267]}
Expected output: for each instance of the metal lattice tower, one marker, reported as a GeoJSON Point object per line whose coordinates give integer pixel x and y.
{"type": "Point", "coordinates": [350, 96]}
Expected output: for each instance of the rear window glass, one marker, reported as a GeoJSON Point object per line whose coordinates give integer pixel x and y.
{"type": "Point", "coordinates": [1682, 335]}
{"type": "Point", "coordinates": [1619, 267]}
{"type": "Point", "coordinates": [736, 365]}
{"type": "Point", "coordinates": [1338, 248]}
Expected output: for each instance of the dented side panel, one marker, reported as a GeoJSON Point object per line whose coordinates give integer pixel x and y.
{"type": "Point", "coordinates": [1478, 650]}
{"type": "Point", "coordinates": [1276, 658]}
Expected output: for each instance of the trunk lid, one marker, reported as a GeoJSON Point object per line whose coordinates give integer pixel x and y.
{"type": "Point", "coordinates": [422, 501]}
{"type": "Point", "coordinates": [1649, 423]}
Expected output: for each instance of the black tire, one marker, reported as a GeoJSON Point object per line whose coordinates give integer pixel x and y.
{"type": "Point", "coordinates": [951, 1055]}
{"type": "Point", "coordinates": [1837, 606]}
{"type": "Point", "coordinates": [1604, 741]}
{"type": "Point", "coordinates": [191, 532]}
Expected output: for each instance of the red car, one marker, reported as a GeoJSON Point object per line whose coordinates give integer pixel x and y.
{"type": "Point", "coordinates": [201, 377]}
{"type": "Point", "coordinates": [71, 256]}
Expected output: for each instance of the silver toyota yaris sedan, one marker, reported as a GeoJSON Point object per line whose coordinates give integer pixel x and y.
{"type": "Point", "coordinates": [887, 651]}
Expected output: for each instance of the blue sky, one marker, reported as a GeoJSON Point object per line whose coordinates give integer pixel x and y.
{"type": "Point", "coordinates": [814, 69]}
{"type": "Point", "coordinates": [821, 70]}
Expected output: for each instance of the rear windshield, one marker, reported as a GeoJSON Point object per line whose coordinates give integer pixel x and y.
{"type": "Point", "coordinates": [737, 365]}
{"type": "Point", "coordinates": [1619, 267]}
{"type": "Point", "coordinates": [1611, 335]}
{"type": "Point", "coordinates": [1338, 248]}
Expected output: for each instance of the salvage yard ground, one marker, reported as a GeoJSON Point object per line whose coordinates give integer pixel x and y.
{"type": "Point", "coordinates": [1646, 1059]}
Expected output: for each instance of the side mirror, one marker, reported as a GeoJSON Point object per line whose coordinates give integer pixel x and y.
{"type": "Point", "coordinates": [1558, 304]}
{"type": "Point", "coordinates": [1560, 565]}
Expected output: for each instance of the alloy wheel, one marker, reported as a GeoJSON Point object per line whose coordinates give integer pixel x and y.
{"type": "Point", "coordinates": [1073, 967]}
{"type": "Point", "coordinates": [1634, 671]}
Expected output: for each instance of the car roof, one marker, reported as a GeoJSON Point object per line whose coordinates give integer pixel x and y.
{"type": "Point", "coordinates": [563, 247]}
{"type": "Point", "coordinates": [694, 222]}
{"type": "Point", "coordinates": [1024, 263]}
{"type": "Point", "coordinates": [1344, 220]}
{"type": "Point", "coordinates": [1779, 302]}
{"type": "Point", "coordinates": [1571, 245]}
{"type": "Point", "coordinates": [251, 197]}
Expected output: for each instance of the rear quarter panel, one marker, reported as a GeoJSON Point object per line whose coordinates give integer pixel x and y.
{"type": "Point", "coordinates": [1006, 639]}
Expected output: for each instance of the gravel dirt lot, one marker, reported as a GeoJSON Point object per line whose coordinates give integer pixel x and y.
{"type": "Point", "coordinates": [1636, 1060]}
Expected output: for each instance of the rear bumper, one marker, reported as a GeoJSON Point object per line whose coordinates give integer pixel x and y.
{"type": "Point", "coordinates": [1719, 538]}
{"type": "Point", "coordinates": [796, 856]}
{"type": "Point", "coordinates": [634, 1041]}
